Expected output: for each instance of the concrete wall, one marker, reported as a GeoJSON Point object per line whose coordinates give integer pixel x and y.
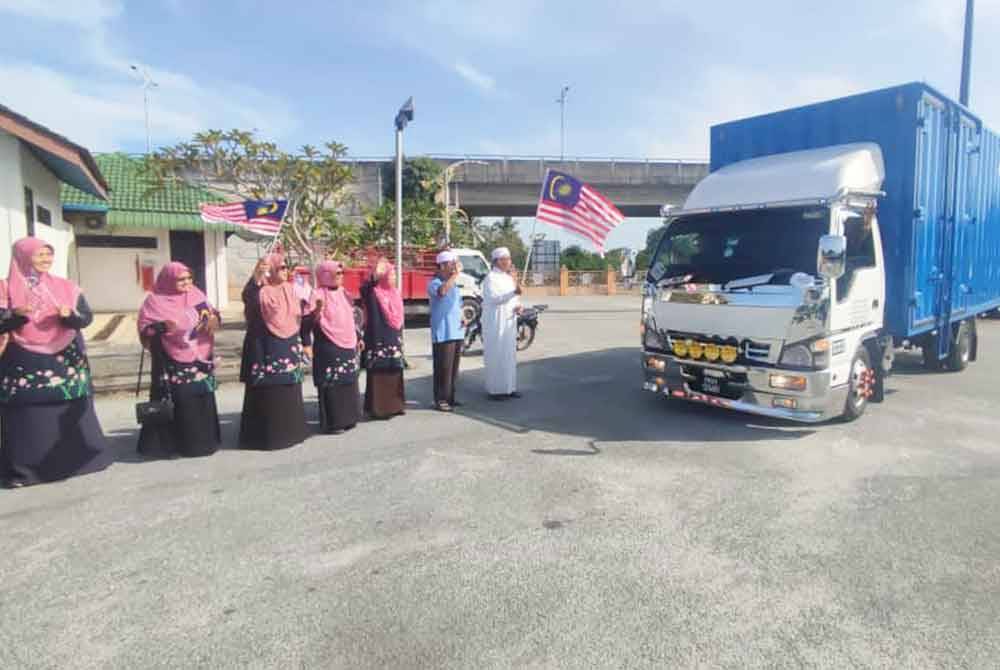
{"type": "Point", "coordinates": [19, 169]}
{"type": "Point", "coordinates": [111, 278]}
{"type": "Point", "coordinates": [45, 187]}
{"type": "Point", "coordinates": [12, 225]}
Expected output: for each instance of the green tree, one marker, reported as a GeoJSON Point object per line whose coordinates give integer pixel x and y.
{"type": "Point", "coordinates": [576, 258]}
{"type": "Point", "coordinates": [653, 238]}
{"type": "Point", "coordinates": [238, 164]}
{"type": "Point", "coordinates": [421, 180]}
{"type": "Point", "coordinates": [502, 233]}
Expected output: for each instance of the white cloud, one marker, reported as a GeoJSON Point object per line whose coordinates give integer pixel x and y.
{"type": "Point", "coordinates": [104, 116]}
{"type": "Point", "coordinates": [480, 80]}
{"type": "Point", "coordinates": [102, 106]}
{"type": "Point", "coordinates": [77, 12]}
{"type": "Point", "coordinates": [679, 123]}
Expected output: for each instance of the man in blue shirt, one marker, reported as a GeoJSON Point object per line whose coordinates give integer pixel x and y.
{"type": "Point", "coordinates": [447, 329]}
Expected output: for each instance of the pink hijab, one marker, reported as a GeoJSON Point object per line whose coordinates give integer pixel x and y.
{"type": "Point", "coordinates": [389, 299]}
{"type": "Point", "coordinates": [44, 294]}
{"type": "Point", "coordinates": [186, 309]}
{"type": "Point", "coordinates": [336, 320]}
{"type": "Point", "coordinates": [279, 305]}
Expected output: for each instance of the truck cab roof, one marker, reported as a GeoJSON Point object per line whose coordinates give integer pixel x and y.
{"type": "Point", "coordinates": [798, 177]}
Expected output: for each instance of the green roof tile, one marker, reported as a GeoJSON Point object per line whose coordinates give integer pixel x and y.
{"type": "Point", "coordinates": [175, 207]}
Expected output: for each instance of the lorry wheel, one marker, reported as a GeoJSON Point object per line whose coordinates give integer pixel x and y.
{"type": "Point", "coordinates": [961, 349]}
{"type": "Point", "coordinates": [861, 385]}
{"type": "Point", "coordinates": [929, 350]}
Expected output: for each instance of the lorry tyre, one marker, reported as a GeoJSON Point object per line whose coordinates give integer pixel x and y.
{"type": "Point", "coordinates": [961, 348]}
{"type": "Point", "coordinates": [860, 384]}
{"type": "Point", "coordinates": [929, 349]}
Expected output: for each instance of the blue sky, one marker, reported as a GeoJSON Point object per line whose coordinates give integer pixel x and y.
{"type": "Point", "coordinates": [647, 78]}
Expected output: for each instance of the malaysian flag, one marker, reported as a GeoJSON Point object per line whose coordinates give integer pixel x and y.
{"type": "Point", "coordinates": [570, 204]}
{"type": "Point", "coordinates": [263, 217]}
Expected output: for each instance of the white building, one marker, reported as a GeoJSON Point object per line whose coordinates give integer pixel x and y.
{"type": "Point", "coordinates": [121, 244]}
{"type": "Point", "coordinates": [34, 161]}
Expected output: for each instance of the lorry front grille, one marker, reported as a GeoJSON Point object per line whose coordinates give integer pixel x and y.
{"type": "Point", "coordinates": [756, 351]}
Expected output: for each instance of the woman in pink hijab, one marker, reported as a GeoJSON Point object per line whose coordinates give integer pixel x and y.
{"type": "Point", "coordinates": [335, 350]}
{"type": "Point", "coordinates": [274, 360]}
{"type": "Point", "coordinates": [177, 324]}
{"type": "Point", "coordinates": [383, 360]}
{"type": "Point", "coordinates": [50, 430]}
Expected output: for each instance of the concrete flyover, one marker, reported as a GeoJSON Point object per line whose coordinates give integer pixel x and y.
{"type": "Point", "coordinates": [509, 185]}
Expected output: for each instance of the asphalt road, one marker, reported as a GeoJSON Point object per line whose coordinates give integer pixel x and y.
{"type": "Point", "coordinates": [588, 525]}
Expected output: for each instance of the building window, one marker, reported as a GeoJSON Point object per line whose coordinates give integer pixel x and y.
{"type": "Point", "coordinates": [115, 242]}
{"type": "Point", "coordinates": [29, 210]}
{"type": "Point", "coordinates": [44, 215]}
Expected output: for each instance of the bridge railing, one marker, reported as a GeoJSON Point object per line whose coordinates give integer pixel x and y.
{"type": "Point", "coordinates": [531, 170]}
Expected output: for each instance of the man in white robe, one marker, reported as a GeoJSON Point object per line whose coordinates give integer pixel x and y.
{"type": "Point", "coordinates": [501, 306]}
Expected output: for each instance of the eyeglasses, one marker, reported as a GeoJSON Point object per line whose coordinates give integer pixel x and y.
{"type": "Point", "coordinates": [283, 267]}
{"type": "Point", "coordinates": [339, 272]}
{"type": "Point", "coordinates": [184, 280]}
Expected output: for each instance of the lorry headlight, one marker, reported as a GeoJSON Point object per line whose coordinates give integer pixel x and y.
{"type": "Point", "coordinates": [790, 382]}
{"type": "Point", "coordinates": [813, 354]}
{"type": "Point", "coordinates": [797, 356]}
{"type": "Point", "coordinates": [712, 352]}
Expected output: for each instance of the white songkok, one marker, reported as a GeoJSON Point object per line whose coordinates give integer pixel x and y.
{"type": "Point", "coordinates": [500, 252]}
{"type": "Point", "coordinates": [446, 257]}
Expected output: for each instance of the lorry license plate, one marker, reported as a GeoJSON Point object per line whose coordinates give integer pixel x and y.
{"type": "Point", "coordinates": [711, 385]}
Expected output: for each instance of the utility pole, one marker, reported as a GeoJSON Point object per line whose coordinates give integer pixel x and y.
{"type": "Point", "coordinates": [562, 121]}
{"type": "Point", "coordinates": [963, 95]}
{"type": "Point", "coordinates": [147, 83]}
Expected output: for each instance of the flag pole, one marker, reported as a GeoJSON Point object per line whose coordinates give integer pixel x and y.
{"type": "Point", "coordinates": [531, 246]}
{"type": "Point", "coordinates": [281, 227]}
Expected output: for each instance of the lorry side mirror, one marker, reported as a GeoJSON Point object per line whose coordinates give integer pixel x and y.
{"type": "Point", "coordinates": [831, 260]}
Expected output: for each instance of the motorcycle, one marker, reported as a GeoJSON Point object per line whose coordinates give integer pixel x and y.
{"type": "Point", "coordinates": [527, 324]}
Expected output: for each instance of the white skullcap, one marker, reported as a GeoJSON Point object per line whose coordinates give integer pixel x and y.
{"type": "Point", "coordinates": [500, 252]}
{"type": "Point", "coordinates": [446, 257]}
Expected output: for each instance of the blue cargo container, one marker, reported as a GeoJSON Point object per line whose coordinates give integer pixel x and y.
{"type": "Point", "coordinates": [940, 217]}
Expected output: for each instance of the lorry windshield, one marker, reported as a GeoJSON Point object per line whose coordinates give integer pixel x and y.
{"type": "Point", "coordinates": [474, 266]}
{"type": "Point", "coordinates": [720, 248]}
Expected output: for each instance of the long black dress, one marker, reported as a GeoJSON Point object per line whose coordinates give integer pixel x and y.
{"type": "Point", "coordinates": [50, 429]}
{"type": "Point", "coordinates": [335, 374]}
{"type": "Point", "coordinates": [194, 430]}
{"type": "Point", "coordinates": [272, 370]}
{"type": "Point", "coordinates": [383, 361]}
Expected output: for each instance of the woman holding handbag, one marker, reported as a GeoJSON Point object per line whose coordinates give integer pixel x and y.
{"type": "Point", "coordinates": [50, 429]}
{"type": "Point", "coordinates": [177, 325]}
{"type": "Point", "coordinates": [274, 360]}
{"type": "Point", "coordinates": [335, 350]}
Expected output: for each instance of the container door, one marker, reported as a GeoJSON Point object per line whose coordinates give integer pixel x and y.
{"type": "Point", "coordinates": [966, 227]}
{"type": "Point", "coordinates": [929, 212]}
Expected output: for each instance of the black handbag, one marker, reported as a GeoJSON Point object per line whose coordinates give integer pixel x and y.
{"type": "Point", "coordinates": [152, 412]}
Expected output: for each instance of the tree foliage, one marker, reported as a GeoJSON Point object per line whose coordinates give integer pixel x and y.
{"type": "Point", "coordinates": [653, 238]}
{"type": "Point", "coordinates": [502, 233]}
{"type": "Point", "coordinates": [238, 164]}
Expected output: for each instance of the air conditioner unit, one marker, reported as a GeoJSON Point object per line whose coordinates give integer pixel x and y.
{"type": "Point", "coordinates": [94, 222]}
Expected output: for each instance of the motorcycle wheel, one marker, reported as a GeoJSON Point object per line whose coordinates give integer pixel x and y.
{"type": "Point", "coordinates": [525, 336]}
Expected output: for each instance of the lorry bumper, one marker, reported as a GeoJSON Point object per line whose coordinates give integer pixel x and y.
{"type": "Point", "coordinates": [750, 391]}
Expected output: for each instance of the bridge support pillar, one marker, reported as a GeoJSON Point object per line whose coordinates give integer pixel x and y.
{"type": "Point", "coordinates": [563, 281]}
{"type": "Point", "coordinates": [612, 285]}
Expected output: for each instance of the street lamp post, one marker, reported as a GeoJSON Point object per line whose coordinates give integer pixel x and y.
{"type": "Point", "coordinates": [446, 178]}
{"type": "Point", "coordinates": [403, 116]}
{"type": "Point", "coordinates": [963, 92]}
{"type": "Point", "coordinates": [562, 122]}
{"type": "Point", "coordinates": [147, 83]}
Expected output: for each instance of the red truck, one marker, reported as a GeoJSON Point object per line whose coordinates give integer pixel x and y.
{"type": "Point", "coordinates": [419, 268]}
